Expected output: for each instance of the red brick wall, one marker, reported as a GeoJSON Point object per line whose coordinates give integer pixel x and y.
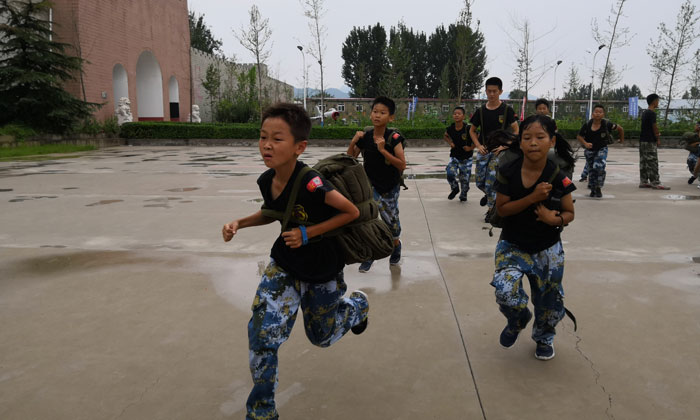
{"type": "Point", "coordinates": [116, 32]}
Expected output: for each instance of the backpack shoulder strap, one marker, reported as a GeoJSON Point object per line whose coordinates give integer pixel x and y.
{"type": "Point", "coordinates": [505, 115]}
{"type": "Point", "coordinates": [554, 174]}
{"type": "Point", "coordinates": [293, 196]}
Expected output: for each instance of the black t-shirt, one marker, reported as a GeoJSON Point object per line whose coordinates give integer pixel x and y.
{"type": "Point", "coordinates": [381, 173]}
{"type": "Point", "coordinates": [599, 137]}
{"type": "Point", "coordinates": [493, 119]}
{"type": "Point", "coordinates": [321, 259]}
{"type": "Point", "coordinates": [523, 229]}
{"type": "Point", "coordinates": [648, 121]}
{"type": "Point", "coordinates": [460, 138]}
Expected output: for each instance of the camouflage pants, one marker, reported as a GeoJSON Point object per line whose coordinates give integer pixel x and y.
{"type": "Point", "coordinates": [648, 163]}
{"type": "Point", "coordinates": [692, 161]}
{"type": "Point", "coordinates": [584, 173]}
{"type": "Point", "coordinates": [389, 209]}
{"type": "Point", "coordinates": [458, 174]}
{"type": "Point", "coordinates": [482, 163]}
{"type": "Point", "coordinates": [327, 317]}
{"type": "Point", "coordinates": [489, 184]}
{"type": "Point", "coordinates": [545, 271]}
{"type": "Point", "coordinates": [596, 161]}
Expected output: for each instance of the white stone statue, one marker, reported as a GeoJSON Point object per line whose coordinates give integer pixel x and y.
{"type": "Point", "coordinates": [195, 118]}
{"type": "Point", "coordinates": [124, 111]}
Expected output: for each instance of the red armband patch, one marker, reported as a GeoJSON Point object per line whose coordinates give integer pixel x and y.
{"type": "Point", "coordinates": [396, 136]}
{"type": "Point", "coordinates": [566, 181]}
{"type": "Point", "coordinates": [314, 183]}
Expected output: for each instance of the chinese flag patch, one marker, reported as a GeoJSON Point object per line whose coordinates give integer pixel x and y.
{"type": "Point", "coordinates": [566, 182]}
{"type": "Point", "coordinates": [396, 136]}
{"type": "Point", "coordinates": [314, 183]}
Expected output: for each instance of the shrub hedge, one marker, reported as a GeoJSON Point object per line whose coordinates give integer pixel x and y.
{"type": "Point", "coordinates": [177, 130]}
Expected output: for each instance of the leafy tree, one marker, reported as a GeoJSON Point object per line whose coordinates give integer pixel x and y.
{"type": "Point", "coordinates": [34, 69]}
{"type": "Point", "coordinates": [364, 60]}
{"type": "Point", "coordinates": [668, 52]}
{"type": "Point", "coordinates": [212, 84]}
{"type": "Point", "coordinates": [439, 56]}
{"type": "Point", "coordinates": [444, 91]}
{"type": "Point", "coordinates": [313, 10]}
{"type": "Point", "coordinates": [394, 79]}
{"type": "Point", "coordinates": [516, 94]}
{"type": "Point", "coordinates": [624, 92]}
{"type": "Point", "coordinates": [613, 37]}
{"type": "Point", "coordinates": [201, 37]}
{"type": "Point", "coordinates": [468, 60]}
{"type": "Point", "coordinates": [254, 38]}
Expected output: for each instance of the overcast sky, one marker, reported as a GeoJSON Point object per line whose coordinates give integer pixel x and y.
{"type": "Point", "coordinates": [569, 22]}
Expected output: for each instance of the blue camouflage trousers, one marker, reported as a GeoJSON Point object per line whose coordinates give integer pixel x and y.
{"type": "Point", "coordinates": [489, 184]}
{"type": "Point", "coordinates": [545, 271]}
{"type": "Point", "coordinates": [584, 173]}
{"type": "Point", "coordinates": [458, 174]}
{"type": "Point", "coordinates": [389, 210]}
{"type": "Point", "coordinates": [692, 161]}
{"type": "Point", "coordinates": [596, 161]}
{"type": "Point", "coordinates": [327, 317]}
{"type": "Point", "coordinates": [482, 163]}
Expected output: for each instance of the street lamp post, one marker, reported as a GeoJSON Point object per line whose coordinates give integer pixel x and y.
{"type": "Point", "coordinates": [554, 100]}
{"type": "Point", "coordinates": [590, 100]}
{"type": "Point", "coordinates": [303, 71]}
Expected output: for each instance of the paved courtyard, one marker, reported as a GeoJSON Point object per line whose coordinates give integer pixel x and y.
{"type": "Point", "coordinates": [119, 300]}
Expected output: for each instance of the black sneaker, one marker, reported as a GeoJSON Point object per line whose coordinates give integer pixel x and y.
{"type": "Point", "coordinates": [592, 194]}
{"type": "Point", "coordinates": [510, 335]}
{"type": "Point", "coordinates": [483, 201]}
{"type": "Point", "coordinates": [598, 193]}
{"type": "Point", "coordinates": [691, 180]}
{"type": "Point", "coordinates": [395, 257]}
{"type": "Point", "coordinates": [583, 179]}
{"type": "Point", "coordinates": [453, 194]}
{"type": "Point", "coordinates": [365, 266]}
{"type": "Point", "coordinates": [462, 199]}
{"type": "Point", "coordinates": [544, 351]}
{"type": "Point", "coordinates": [362, 326]}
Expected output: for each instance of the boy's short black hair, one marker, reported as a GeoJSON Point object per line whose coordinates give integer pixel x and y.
{"type": "Point", "coordinates": [651, 98]}
{"type": "Point", "coordinates": [461, 108]}
{"type": "Point", "coordinates": [294, 115]}
{"type": "Point", "coordinates": [599, 106]}
{"type": "Point", "coordinates": [388, 102]}
{"type": "Point", "coordinates": [494, 81]}
{"type": "Point", "coordinates": [542, 101]}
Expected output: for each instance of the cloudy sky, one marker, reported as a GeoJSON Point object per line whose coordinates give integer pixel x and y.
{"type": "Point", "coordinates": [564, 27]}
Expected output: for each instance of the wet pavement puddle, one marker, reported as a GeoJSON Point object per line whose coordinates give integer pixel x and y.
{"type": "Point", "coordinates": [436, 175]}
{"type": "Point", "coordinates": [6, 189]}
{"type": "Point", "coordinates": [21, 198]}
{"type": "Point", "coordinates": [679, 197]}
{"type": "Point", "coordinates": [185, 189]}
{"type": "Point", "coordinates": [103, 202]}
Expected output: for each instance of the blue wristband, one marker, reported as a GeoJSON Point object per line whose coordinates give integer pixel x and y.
{"type": "Point", "coordinates": [304, 238]}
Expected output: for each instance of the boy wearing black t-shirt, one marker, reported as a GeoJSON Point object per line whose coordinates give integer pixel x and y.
{"type": "Point", "coordinates": [492, 116]}
{"type": "Point", "coordinates": [459, 169]}
{"type": "Point", "coordinates": [306, 268]}
{"type": "Point", "coordinates": [384, 161]}
{"type": "Point", "coordinates": [595, 135]}
{"type": "Point", "coordinates": [649, 140]}
{"type": "Point", "coordinates": [534, 200]}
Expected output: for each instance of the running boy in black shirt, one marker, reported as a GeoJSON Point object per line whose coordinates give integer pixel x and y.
{"type": "Point", "coordinates": [490, 117]}
{"type": "Point", "coordinates": [384, 162]}
{"type": "Point", "coordinates": [459, 170]}
{"type": "Point", "coordinates": [649, 140]}
{"type": "Point", "coordinates": [305, 268]}
{"type": "Point", "coordinates": [595, 135]}
{"type": "Point", "coordinates": [534, 199]}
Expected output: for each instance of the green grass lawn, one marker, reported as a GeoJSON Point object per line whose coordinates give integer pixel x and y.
{"type": "Point", "coordinates": [7, 153]}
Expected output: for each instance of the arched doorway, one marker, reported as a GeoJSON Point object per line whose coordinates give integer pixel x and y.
{"type": "Point", "coordinates": [149, 88]}
{"type": "Point", "coordinates": [174, 91]}
{"type": "Point", "coordinates": [120, 84]}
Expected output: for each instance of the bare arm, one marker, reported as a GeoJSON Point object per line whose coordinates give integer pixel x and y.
{"type": "Point", "coordinates": [353, 150]}
{"type": "Point", "coordinates": [506, 208]}
{"type": "Point", "coordinates": [448, 140]}
{"type": "Point", "coordinates": [557, 218]}
{"type": "Point", "coordinates": [583, 142]}
{"type": "Point", "coordinates": [515, 127]}
{"type": "Point", "coordinates": [347, 213]}
{"type": "Point", "coordinates": [475, 139]}
{"type": "Point", "coordinates": [621, 132]}
{"type": "Point", "coordinates": [255, 219]}
{"type": "Point", "coordinates": [398, 159]}
{"type": "Point", "coordinates": [655, 128]}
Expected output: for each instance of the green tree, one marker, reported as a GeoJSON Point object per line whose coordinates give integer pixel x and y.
{"type": "Point", "coordinates": [255, 38]}
{"type": "Point", "coordinates": [34, 69]}
{"type": "Point", "coordinates": [394, 83]}
{"type": "Point", "coordinates": [201, 37]}
{"type": "Point", "coordinates": [364, 60]}
{"type": "Point", "coordinates": [439, 55]}
{"type": "Point", "coordinates": [212, 84]}
{"type": "Point", "coordinates": [444, 90]}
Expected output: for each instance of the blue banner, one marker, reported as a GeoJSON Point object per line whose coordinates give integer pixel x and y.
{"type": "Point", "coordinates": [633, 106]}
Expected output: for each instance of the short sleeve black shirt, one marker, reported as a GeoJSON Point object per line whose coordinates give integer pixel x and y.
{"type": "Point", "coordinates": [460, 138]}
{"type": "Point", "coordinates": [381, 173]}
{"type": "Point", "coordinates": [648, 121]}
{"type": "Point", "coordinates": [599, 137]}
{"type": "Point", "coordinates": [523, 229]}
{"type": "Point", "coordinates": [493, 119]}
{"type": "Point", "coordinates": [321, 259]}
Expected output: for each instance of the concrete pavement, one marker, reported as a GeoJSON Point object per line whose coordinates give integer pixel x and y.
{"type": "Point", "coordinates": [118, 299]}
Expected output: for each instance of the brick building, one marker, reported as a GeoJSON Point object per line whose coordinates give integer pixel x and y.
{"type": "Point", "coordinates": [138, 49]}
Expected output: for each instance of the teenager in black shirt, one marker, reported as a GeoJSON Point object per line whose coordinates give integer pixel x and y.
{"type": "Point", "coordinates": [649, 140]}
{"type": "Point", "coordinates": [305, 268]}
{"type": "Point", "coordinates": [459, 169]}
{"type": "Point", "coordinates": [534, 199]}
{"type": "Point", "coordinates": [595, 136]}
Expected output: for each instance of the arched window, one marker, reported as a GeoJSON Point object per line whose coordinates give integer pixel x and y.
{"type": "Point", "coordinates": [149, 88]}
{"type": "Point", "coordinates": [120, 84]}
